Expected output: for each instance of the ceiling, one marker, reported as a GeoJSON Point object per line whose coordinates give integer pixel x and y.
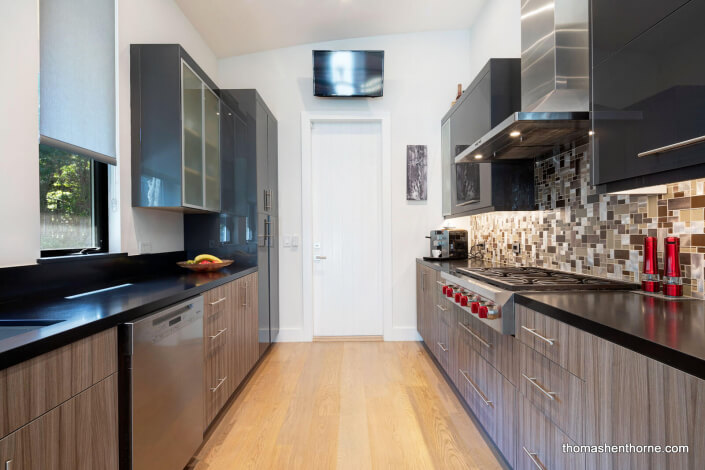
{"type": "Point", "coordinates": [235, 27]}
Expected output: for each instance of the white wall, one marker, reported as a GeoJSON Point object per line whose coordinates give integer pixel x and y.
{"type": "Point", "coordinates": [495, 33]}
{"type": "Point", "coordinates": [159, 21]}
{"type": "Point", "coordinates": [19, 132]}
{"type": "Point", "coordinates": [421, 75]}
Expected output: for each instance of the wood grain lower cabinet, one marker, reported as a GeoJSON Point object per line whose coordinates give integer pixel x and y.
{"type": "Point", "coordinates": [231, 345]}
{"type": "Point", "coordinates": [33, 387]}
{"type": "Point", "coordinates": [540, 442]}
{"type": "Point", "coordinates": [79, 434]}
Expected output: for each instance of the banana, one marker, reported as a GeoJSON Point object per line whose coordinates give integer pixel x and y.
{"type": "Point", "coordinates": [212, 258]}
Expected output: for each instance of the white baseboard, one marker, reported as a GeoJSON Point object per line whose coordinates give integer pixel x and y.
{"type": "Point", "coordinates": [402, 334]}
{"type": "Point", "coordinates": [297, 335]}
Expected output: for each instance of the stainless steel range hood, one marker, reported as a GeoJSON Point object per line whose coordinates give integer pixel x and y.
{"type": "Point", "coordinates": [554, 85]}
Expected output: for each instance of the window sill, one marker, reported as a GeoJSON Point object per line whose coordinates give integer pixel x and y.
{"type": "Point", "coordinates": [79, 258]}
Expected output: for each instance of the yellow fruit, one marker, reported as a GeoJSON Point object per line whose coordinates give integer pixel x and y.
{"type": "Point", "coordinates": [212, 258]}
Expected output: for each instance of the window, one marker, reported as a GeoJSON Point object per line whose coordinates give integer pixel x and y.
{"type": "Point", "coordinates": [73, 203]}
{"type": "Point", "coordinates": [77, 120]}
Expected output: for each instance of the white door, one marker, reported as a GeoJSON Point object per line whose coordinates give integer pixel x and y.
{"type": "Point", "coordinates": [346, 159]}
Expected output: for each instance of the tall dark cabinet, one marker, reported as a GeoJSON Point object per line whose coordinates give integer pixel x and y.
{"type": "Point", "coordinates": [247, 227]}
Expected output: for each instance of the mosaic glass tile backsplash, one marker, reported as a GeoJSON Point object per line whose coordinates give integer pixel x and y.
{"type": "Point", "coordinates": [575, 229]}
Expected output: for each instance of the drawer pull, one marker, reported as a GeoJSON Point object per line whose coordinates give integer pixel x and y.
{"type": "Point", "coordinates": [538, 335]}
{"type": "Point", "coordinates": [534, 458]}
{"type": "Point", "coordinates": [532, 381]}
{"type": "Point", "coordinates": [217, 301]}
{"type": "Point", "coordinates": [246, 289]}
{"type": "Point", "coordinates": [677, 145]}
{"type": "Point", "coordinates": [8, 465]}
{"type": "Point", "coordinates": [219, 333]}
{"type": "Point", "coordinates": [441, 308]}
{"type": "Point", "coordinates": [472, 333]}
{"type": "Point", "coordinates": [442, 347]}
{"type": "Point", "coordinates": [220, 382]}
{"type": "Point", "coordinates": [477, 390]}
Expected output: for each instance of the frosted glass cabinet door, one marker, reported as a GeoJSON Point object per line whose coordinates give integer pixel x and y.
{"type": "Point", "coordinates": [212, 149]}
{"type": "Point", "coordinates": [192, 102]}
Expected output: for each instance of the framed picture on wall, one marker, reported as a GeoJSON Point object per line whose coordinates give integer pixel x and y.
{"type": "Point", "coordinates": [416, 173]}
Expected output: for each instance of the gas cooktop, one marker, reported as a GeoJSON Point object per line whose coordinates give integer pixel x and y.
{"type": "Point", "coordinates": [541, 279]}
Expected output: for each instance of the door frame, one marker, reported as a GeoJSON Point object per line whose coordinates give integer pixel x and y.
{"type": "Point", "coordinates": [307, 121]}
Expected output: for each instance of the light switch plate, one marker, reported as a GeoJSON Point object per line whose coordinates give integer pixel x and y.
{"type": "Point", "coordinates": [294, 240]}
{"type": "Point", "coordinates": [287, 240]}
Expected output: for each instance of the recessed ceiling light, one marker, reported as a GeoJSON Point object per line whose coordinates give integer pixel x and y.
{"type": "Point", "coordinates": [478, 156]}
{"type": "Point", "coordinates": [514, 134]}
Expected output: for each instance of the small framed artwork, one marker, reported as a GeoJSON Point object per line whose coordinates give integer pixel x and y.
{"type": "Point", "coordinates": [416, 173]}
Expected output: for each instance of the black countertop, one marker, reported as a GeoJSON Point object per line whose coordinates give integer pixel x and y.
{"type": "Point", "coordinates": [87, 315]}
{"type": "Point", "coordinates": [669, 331]}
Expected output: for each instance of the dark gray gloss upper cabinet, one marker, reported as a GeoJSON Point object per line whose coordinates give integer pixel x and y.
{"type": "Point", "coordinates": [470, 188]}
{"type": "Point", "coordinates": [648, 92]}
{"type": "Point", "coordinates": [175, 147]}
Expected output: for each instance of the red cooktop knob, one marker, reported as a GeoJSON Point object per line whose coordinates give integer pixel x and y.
{"type": "Point", "coordinates": [464, 301]}
{"type": "Point", "coordinates": [449, 292]}
{"type": "Point", "coordinates": [474, 307]}
{"type": "Point", "coordinates": [482, 313]}
{"type": "Point", "coordinates": [445, 289]}
{"type": "Point", "coordinates": [457, 297]}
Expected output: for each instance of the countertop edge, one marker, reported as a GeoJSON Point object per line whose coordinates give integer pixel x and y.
{"type": "Point", "coordinates": [41, 346]}
{"type": "Point", "coordinates": [658, 352]}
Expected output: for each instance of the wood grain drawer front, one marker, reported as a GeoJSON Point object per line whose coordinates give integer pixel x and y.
{"type": "Point", "coordinates": [540, 442]}
{"type": "Point", "coordinates": [556, 340]}
{"type": "Point", "coordinates": [491, 397]}
{"type": "Point", "coordinates": [442, 349]}
{"type": "Point", "coordinates": [498, 349]}
{"type": "Point", "coordinates": [81, 433]}
{"type": "Point", "coordinates": [554, 391]}
{"type": "Point", "coordinates": [215, 301]}
{"type": "Point", "coordinates": [31, 388]}
{"type": "Point", "coordinates": [216, 383]}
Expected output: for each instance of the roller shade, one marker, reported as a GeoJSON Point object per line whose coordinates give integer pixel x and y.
{"type": "Point", "coordinates": [77, 77]}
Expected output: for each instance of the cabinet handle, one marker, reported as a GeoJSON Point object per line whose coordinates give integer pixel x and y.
{"type": "Point", "coordinates": [677, 145]}
{"type": "Point", "coordinates": [423, 281]}
{"type": "Point", "coordinates": [246, 289]}
{"type": "Point", "coordinates": [474, 335]}
{"type": "Point", "coordinates": [442, 347]}
{"type": "Point", "coordinates": [220, 382]}
{"type": "Point", "coordinates": [441, 308]}
{"type": "Point", "coordinates": [219, 333]}
{"type": "Point", "coordinates": [539, 336]}
{"type": "Point", "coordinates": [532, 381]}
{"type": "Point", "coordinates": [217, 301]}
{"type": "Point", "coordinates": [534, 458]}
{"type": "Point", "coordinates": [8, 464]}
{"type": "Point", "coordinates": [477, 390]}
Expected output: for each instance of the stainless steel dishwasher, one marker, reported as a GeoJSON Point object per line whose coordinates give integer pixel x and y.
{"type": "Point", "coordinates": [161, 385]}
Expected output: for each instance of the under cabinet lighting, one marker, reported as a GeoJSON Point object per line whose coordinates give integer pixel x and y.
{"type": "Point", "coordinates": [514, 134]}
{"type": "Point", "coordinates": [591, 132]}
{"type": "Point", "coordinates": [478, 156]}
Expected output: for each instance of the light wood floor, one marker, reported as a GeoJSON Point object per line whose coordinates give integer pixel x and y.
{"type": "Point", "coordinates": [346, 405]}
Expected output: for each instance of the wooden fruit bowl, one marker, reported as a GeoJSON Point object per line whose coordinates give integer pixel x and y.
{"type": "Point", "coordinates": [206, 267]}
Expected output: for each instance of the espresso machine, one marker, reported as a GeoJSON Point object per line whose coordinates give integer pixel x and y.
{"type": "Point", "coordinates": [451, 243]}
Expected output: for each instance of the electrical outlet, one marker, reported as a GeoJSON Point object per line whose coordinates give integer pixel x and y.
{"type": "Point", "coordinates": [294, 240]}
{"type": "Point", "coordinates": [516, 248]}
{"type": "Point", "coordinates": [145, 247]}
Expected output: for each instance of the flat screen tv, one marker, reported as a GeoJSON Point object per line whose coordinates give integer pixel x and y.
{"type": "Point", "coordinates": [348, 73]}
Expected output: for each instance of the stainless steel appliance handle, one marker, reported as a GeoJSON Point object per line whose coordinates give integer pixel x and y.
{"type": "Point", "coordinates": [532, 381]}
{"type": "Point", "coordinates": [443, 348]}
{"type": "Point", "coordinates": [474, 335]}
{"type": "Point", "coordinates": [220, 382]}
{"type": "Point", "coordinates": [441, 308]}
{"type": "Point", "coordinates": [217, 301]}
{"type": "Point", "coordinates": [677, 145]}
{"type": "Point", "coordinates": [538, 335]}
{"type": "Point", "coordinates": [220, 332]}
{"type": "Point", "coordinates": [534, 458]}
{"type": "Point", "coordinates": [477, 390]}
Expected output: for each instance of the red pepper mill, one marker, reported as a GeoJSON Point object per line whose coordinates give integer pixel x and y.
{"type": "Point", "coordinates": [672, 282]}
{"type": "Point", "coordinates": [650, 280]}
